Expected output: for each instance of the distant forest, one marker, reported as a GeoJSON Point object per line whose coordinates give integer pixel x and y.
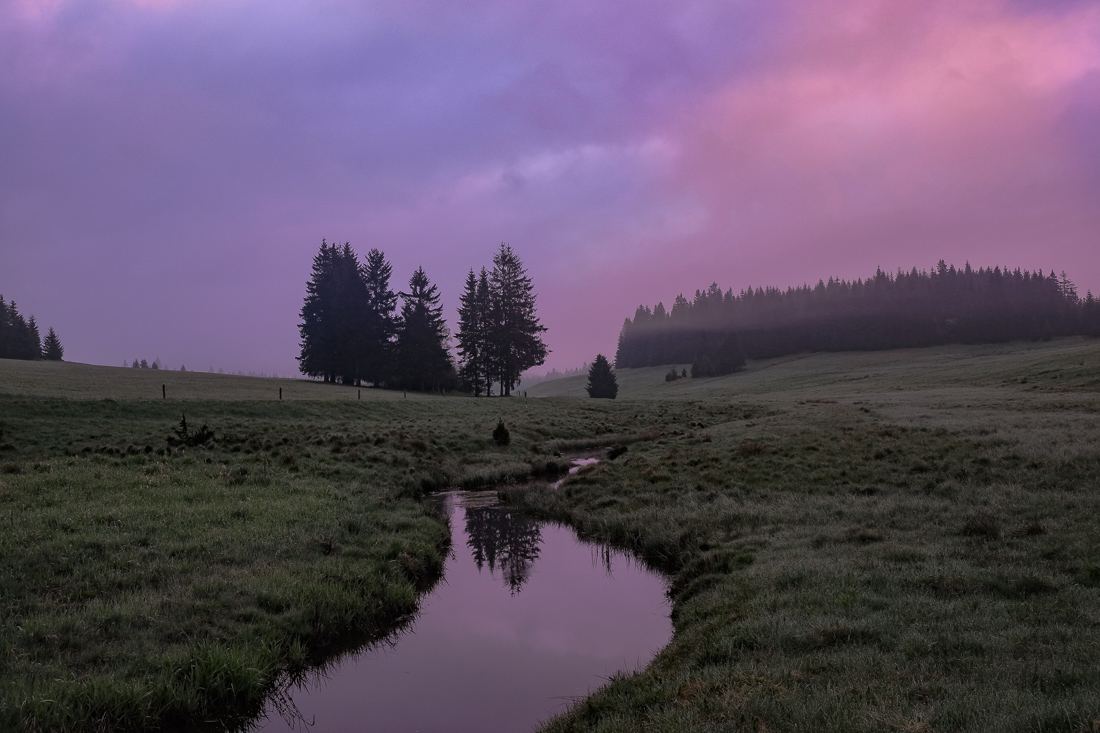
{"type": "Point", "coordinates": [887, 311]}
{"type": "Point", "coordinates": [353, 332]}
{"type": "Point", "coordinates": [20, 339]}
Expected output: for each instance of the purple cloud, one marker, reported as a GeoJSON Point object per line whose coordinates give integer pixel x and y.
{"type": "Point", "coordinates": [167, 169]}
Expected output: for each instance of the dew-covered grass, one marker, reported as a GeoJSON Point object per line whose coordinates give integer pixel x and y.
{"type": "Point", "coordinates": [901, 540]}
{"type": "Point", "coordinates": [863, 542]}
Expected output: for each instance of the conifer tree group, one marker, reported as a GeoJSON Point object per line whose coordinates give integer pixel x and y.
{"type": "Point", "coordinates": [717, 330]}
{"type": "Point", "coordinates": [353, 332]}
{"type": "Point", "coordinates": [20, 338]}
{"type": "Point", "coordinates": [499, 334]}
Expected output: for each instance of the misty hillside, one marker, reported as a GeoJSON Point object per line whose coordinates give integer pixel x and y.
{"type": "Point", "coordinates": [887, 311]}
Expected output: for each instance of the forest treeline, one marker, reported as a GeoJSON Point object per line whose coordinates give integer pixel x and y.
{"type": "Point", "coordinates": [887, 311]}
{"type": "Point", "coordinates": [20, 338]}
{"type": "Point", "coordinates": [353, 331]}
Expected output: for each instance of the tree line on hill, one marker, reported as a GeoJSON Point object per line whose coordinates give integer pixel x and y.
{"type": "Point", "coordinates": [717, 330]}
{"type": "Point", "coordinates": [530, 380]}
{"type": "Point", "coordinates": [354, 333]}
{"type": "Point", "coordinates": [20, 338]}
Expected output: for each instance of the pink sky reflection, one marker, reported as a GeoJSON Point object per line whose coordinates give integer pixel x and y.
{"type": "Point", "coordinates": [168, 169]}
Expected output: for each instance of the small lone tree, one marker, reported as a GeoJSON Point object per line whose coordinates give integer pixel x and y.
{"type": "Point", "coordinates": [51, 347]}
{"type": "Point", "coordinates": [601, 380]}
{"type": "Point", "coordinates": [501, 434]}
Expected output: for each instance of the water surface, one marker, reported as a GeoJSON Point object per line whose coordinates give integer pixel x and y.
{"type": "Point", "coordinates": [526, 620]}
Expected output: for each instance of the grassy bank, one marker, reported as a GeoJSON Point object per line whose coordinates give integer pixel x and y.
{"type": "Point", "coordinates": [885, 541]}
{"type": "Point", "coordinates": [863, 542]}
{"type": "Point", "coordinates": [145, 585]}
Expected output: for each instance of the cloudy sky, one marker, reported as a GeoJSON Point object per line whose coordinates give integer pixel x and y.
{"type": "Point", "coordinates": [169, 167]}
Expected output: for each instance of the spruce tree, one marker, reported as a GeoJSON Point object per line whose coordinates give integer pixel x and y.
{"type": "Point", "coordinates": [350, 297]}
{"type": "Point", "coordinates": [601, 380]}
{"type": "Point", "coordinates": [422, 357]}
{"type": "Point", "coordinates": [51, 347]}
{"type": "Point", "coordinates": [472, 322]}
{"type": "Point", "coordinates": [316, 357]}
{"type": "Point", "coordinates": [485, 306]}
{"type": "Point", "coordinates": [19, 337]}
{"type": "Point", "coordinates": [333, 315]}
{"type": "Point", "coordinates": [514, 332]}
{"type": "Point", "coordinates": [380, 322]}
{"type": "Point", "coordinates": [33, 340]}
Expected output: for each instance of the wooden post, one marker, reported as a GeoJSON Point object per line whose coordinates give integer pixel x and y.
{"type": "Point", "coordinates": [163, 392]}
{"type": "Point", "coordinates": [280, 393]}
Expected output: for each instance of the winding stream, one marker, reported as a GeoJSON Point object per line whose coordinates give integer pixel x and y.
{"type": "Point", "coordinates": [526, 620]}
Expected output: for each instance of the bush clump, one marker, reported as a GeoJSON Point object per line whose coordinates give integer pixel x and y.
{"type": "Point", "coordinates": [184, 437]}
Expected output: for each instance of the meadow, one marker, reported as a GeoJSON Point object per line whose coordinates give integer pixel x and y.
{"type": "Point", "coordinates": [904, 540]}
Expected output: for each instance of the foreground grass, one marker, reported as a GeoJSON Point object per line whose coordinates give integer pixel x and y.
{"type": "Point", "coordinates": [148, 587]}
{"type": "Point", "coordinates": [869, 544]}
{"type": "Point", "coordinates": [858, 542]}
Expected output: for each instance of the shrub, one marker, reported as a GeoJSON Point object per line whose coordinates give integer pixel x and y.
{"type": "Point", "coordinates": [501, 434]}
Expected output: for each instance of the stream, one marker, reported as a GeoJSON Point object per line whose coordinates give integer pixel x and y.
{"type": "Point", "coordinates": [526, 620]}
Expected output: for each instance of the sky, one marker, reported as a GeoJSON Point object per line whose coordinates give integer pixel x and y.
{"type": "Point", "coordinates": [168, 168]}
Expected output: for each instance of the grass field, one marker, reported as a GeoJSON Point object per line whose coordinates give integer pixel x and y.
{"type": "Point", "coordinates": [903, 540]}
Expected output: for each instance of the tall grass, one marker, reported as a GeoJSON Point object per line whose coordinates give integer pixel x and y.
{"type": "Point", "coordinates": [857, 542]}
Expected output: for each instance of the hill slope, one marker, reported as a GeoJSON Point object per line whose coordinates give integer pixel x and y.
{"type": "Point", "coordinates": [1061, 365]}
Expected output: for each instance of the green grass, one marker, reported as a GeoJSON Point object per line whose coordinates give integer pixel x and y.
{"type": "Point", "coordinates": [857, 542]}
{"type": "Point", "coordinates": [862, 542]}
{"type": "Point", "coordinates": [144, 586]}
{"type": "Point", "coordinates": [90, 382]}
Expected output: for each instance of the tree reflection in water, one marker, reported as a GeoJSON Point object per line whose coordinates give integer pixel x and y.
{"type": "Point", "coordinates": [503, 538]}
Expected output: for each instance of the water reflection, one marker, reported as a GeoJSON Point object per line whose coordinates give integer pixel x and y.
{"type": "Point", "coordinates": [578, 464]}
{"type": "Point", "coordinates": [483, 656]}
{"type": "Point", "coordinates": [503, 538]}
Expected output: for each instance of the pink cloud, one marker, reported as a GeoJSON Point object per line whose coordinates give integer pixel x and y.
{"type": "Point", "coordinates": [932, 129]}
{"type": "Point", "coordinates": [197, 152]}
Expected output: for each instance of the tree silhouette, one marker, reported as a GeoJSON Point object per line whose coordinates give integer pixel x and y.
{"type": "Point", "coordinates": [51, 346]}
{"type": "Point", "coordinates": [376, 348]}
{"type": "Point", "coordinates": [320, 326]}
{"type": "Point", "coordinates": [885, 311]}
{"type": "Point", "coordinates": [499, 333]}
{"type": "Point", "coordinates": [516, 344]}
{"type": "Point", "coordinates": [347, 316]}
{"type": "Point", "coordinates": [19, 337]}
{"type": "Point", "coordinates": [601, 380]}
{"type": "Point", "coordinates": [473, 332]}
{"type": "Point", "coordinates": [423, 359]}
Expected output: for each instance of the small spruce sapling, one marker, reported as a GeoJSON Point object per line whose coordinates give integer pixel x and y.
{"type": "Point", "coordinates": [501, 434]}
